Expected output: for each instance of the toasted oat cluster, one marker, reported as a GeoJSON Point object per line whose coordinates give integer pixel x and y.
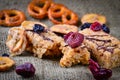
{"type": "Point", "coordinates": [104, 47]}
{"type": "Point", "coordinates": [72, 56]}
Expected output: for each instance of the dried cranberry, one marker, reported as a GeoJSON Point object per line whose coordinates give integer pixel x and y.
{"type": "Point", "coordinates": [99, 73]}
{"type": "Point", "coordinates": [25, 70]}
{"type": "Point", "coordinates": [93, 66]}
{"type": "Point", "coordinates": [103, 74]}
{"type": "Point", "coordinates": [96, 26]}
{"type": "Point", "coordinates": [67, 35]}
{"type": "Point", "coordinates": [75, 39]}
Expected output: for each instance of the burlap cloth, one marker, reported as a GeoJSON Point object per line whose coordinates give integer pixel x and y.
{"type": "Point", "coordinates": [47, 69]}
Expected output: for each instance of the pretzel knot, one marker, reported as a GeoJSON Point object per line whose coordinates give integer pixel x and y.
{"type": "Point", "coordinates": [11, 18]}
{"type": "Point", "coordinates": [39, 8]}
{"type": "Point", "coordinates": [59, 14]}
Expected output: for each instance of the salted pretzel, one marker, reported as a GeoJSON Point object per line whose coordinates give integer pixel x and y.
{"type": "Point", "coordinates": [59, 14]}
{"type": "Point", "coordinates": [39, 8]}
{"type": "Point", "coordinates": [16, 40]}
{"type": "Point", "coordinates": [11, 17]}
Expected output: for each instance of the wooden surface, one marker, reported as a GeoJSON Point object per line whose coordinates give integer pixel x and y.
{"type": "Point", "coordinates": [47, 69]}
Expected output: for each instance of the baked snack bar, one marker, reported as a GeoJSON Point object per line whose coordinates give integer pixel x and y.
{"type": "Point", "coordinates": [33, 37]}
{"type": "Point", "coordinates": [74, 54]}
{"type": "Point", "coordinates": [104, 47]}
{"type": "Point", "coordinates": [44, 43]}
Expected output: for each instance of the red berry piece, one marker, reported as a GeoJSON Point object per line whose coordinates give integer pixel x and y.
{"type": "Point", "coordinates": [96, 26]}
{"type": "Point", "coordinates": [67, 35]}
{"type": "Point", "coordinates": [75, 39]}
{"type": "Point", "coordinates": [26, 70]}
{"type": "Point", "coordinates": [99, 73]}
{"type": "Point", "coordinates": [103, 74]}
{"type": "Point", "coordinates": [93, 66]}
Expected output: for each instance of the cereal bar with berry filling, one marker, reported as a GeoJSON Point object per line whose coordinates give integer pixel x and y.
{"type": "Point", "coordinates": [74, 50]}
{"type": "Point", "coordinates": [42, 42]}
{"type": "Point", "coordinates": [104, 47]}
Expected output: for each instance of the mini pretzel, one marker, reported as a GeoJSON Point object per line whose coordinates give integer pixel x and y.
{"type": "Point", "coordinates": [39, 8]}
{"type": "Point", "coordinates": [16, 40]}
{"type": "Point", "coordinates": [11, 18]}
{"type": "Point", "coordinates": [91, 18]}
{"type": "Point", "coordinates": [59, 14]}
{"type": "Point", "coordinates": [6, 63]}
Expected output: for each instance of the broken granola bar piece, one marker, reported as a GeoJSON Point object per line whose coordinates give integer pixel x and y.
{"type": "Point", "coordinates": [104, 47]}
{"type": "Point", "coordinates": [43, 41]}
{"type": "Point", "coordinates": [74, 50]}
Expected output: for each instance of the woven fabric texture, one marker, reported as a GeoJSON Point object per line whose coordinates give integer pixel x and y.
{"type": "Point", "coordinates": [49, 69]}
